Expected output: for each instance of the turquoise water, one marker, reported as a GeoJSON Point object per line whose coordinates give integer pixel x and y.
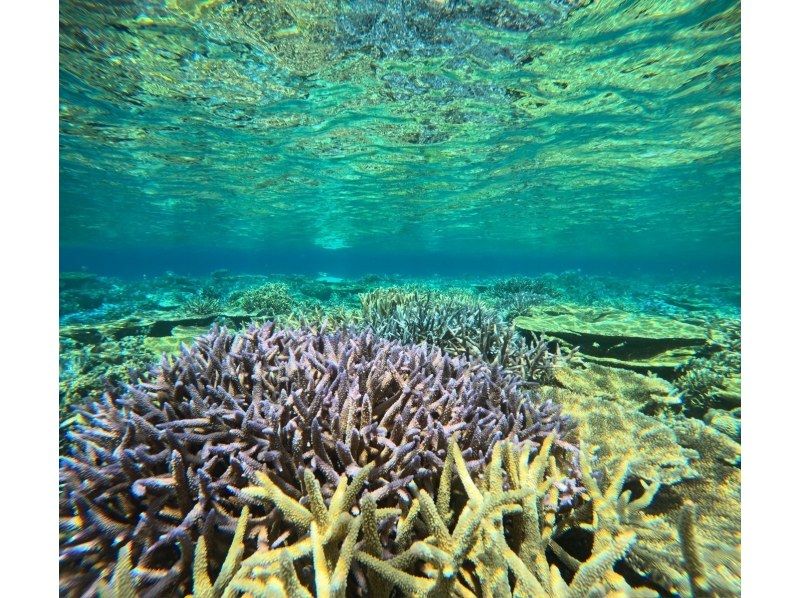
{"type": "Point", "coordinates": [478, 136]}
{"type": "Point", "coordinates": [319, 259]}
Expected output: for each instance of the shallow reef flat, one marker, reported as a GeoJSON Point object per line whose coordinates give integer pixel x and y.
{"type": "Point", "coordinates": [562, 435]}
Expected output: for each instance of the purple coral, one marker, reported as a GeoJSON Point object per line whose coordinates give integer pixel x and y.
{"type": "Point", "coordinates": [164, 462]}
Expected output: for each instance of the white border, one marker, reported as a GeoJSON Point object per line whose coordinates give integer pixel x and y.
{"type": "Point", "coordinates": [29, 237]}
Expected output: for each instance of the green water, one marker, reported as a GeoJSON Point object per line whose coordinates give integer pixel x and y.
{"type": "Point", "coordinates": [546, 132]}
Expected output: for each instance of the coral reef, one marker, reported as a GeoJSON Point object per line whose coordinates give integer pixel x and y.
{"type": "Point", "coordinates": [712, 377]}
{"type": "Point", "coordinates": [204, 302]}
{"type": "Point", "coordinates": [173, 454]}
{"type": "Point", "coordinates": [518, 284]}
{"type": "Point", "coordinates": [497, 533]}
{"type": "Point", "coordinates": [701, 356]}
{"type": "Point", "coordinates": [611, 407]}
{"type": "Point", "coordinates": [625, 414]}
{"type": "Point", "coordinates": [727, 422]}
{"type": "Point", "coordinates": [516, 305]}
{"type": "Point", "coordinates": [716, 496]}
{"type": "Point", "coordinates": [128, 528]}
{"type": "Point", "coordinates": [80, 291]}
{"type": "Point", "coordinates": [315, 316]}
{"type": "Point", "coordinates": [459, 325]}
{"type": "Point", "coordinates": [497, 544]}
{"type": "Point", "coordinates": [721, 581]}
{"type": "Point", "coordinates": [635, 392]}
{"type": "Point", "coordinates": [268, 300]}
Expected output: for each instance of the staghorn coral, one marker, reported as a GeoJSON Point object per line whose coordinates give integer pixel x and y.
{"type": "Point", "coordinates": [458, 324]}
{"type": "Point", "coordinates": [615, 510]}
{"type": "Point", "coordinates": [315, 316]}
{"type": "Point", "coordinates": [690, 460]}
{"type": "Point", "coordinates": [203, 587]}
{"type": "Point", "coordinates": [203, 303]}
{"type": "Point", "coordinates": [171, 455]}
{"type": "Point", "coordinates": [507, 539]}
{"type": "Point", "coordinates": [329, 537]}
{"type": "Point", "coordinates": [270, 299]}
{"type": "Point", "coordinates": [516, 305]}
{"type": "Point", "coordinates": [504, 541]}
{"type": "Point", "coordinates": [713, 376]}
{"type": "Point", "coordinates": [520, 284]}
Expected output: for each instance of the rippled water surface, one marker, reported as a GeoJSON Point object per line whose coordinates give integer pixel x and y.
{"type": "Point", "coordinates": [551, 129]}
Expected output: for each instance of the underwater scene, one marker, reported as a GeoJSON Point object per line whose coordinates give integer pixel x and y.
{"type": "Point", "coordinates": [399, 298]}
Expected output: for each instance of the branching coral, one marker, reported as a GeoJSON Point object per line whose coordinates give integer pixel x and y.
{"type": "Point", "coordinates": [316, 316]}
{"type": "Point", "coordinates": [172, 455]}
{"type": "Point", "coordinates": [204, 302]}
{"type": "Point", "coordinates": [514, 296]}
{"type": "Point", "coordinates": [520, 284]}
{"type": "Point", "coordinates": [270, 300]}
{"type": "Point", "coordinates": [460, 325]}
{"type": "Point", "coordinates": [498, 545]}
{"type": "Point", "coordinates": [691, 460]}
{"type": "Point", "coordinates": [615, 511]}
{"type": "Point", "coordinates": [507, 539]}
{"type": "Point", "coordinates": [712, 377]}
{"type": "Point", "coordinates": [517, 304]}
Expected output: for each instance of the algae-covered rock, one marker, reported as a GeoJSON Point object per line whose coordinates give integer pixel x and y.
{"type": "Point", "coordinates": [618, 338]}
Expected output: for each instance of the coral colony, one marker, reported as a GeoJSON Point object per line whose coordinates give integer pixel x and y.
{"type": "Point", "coordinates": [171, 458]}
{"type": "Point", "coordinates": [415, 448]}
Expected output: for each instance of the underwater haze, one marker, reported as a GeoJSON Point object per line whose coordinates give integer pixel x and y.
{"type": "Point", "coordinates": [400, 298]}
{"type": "Point", "coordinates": [363, 135]}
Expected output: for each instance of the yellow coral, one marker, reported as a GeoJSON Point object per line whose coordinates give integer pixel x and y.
{"type": "Point", "coordinates": [330, 541]}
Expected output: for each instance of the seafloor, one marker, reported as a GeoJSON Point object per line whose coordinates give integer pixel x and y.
{"type": "Point", "coordinates": [647, 371]}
